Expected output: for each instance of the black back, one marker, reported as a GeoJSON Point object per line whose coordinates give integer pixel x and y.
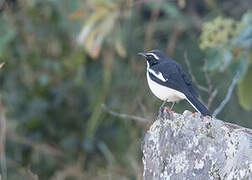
{"type": "Point", "coordinates": [175, 75]}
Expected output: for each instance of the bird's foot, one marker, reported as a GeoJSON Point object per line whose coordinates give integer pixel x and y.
{"type": "Point", "coordinates": [161, 107]}
{"type": "Point", "coordinates": [208, 117]}
{"type": "Point", "coordinates": [168, 109]}
{"type": "Point", "coordinates": [192, 113]}
{"type": "Point", "coordinates": [172, 105]}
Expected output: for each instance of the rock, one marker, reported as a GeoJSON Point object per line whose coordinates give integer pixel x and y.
{"type": "Point", "coordinates": [190, 146]}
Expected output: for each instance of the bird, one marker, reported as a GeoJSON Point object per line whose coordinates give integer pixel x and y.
{"type": "Point", "coordinates": [169, 82]}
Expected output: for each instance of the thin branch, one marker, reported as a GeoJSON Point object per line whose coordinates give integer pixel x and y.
{"type": "Point", "coordinates": [192, 76]}
{"type": "Point", "coordinates": [208, 80]}
{"type": "Point", "coordinates": [209, 89]}
{"type": "Point", "coordinates": [211, 98]}
{"type": "Point", "coordinates": [228, 96]}
{"type": "Point", "coordinates": [212, 93]}
{"type": "Point", "coordinates": [125, 116]}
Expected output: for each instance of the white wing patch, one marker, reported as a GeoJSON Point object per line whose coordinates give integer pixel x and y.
{"type": "Point", "coordinates": [158, 75]}
{"type": "Point", "coordinates": [154, 55]}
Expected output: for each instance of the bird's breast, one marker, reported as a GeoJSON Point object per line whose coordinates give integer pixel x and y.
{"type": "Point", "coordinates": [163, 92]}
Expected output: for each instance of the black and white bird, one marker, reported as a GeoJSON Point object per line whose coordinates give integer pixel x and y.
{"type": "Point", "coordinates": [169, 82]}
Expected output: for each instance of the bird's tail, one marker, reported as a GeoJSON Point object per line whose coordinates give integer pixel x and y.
{"type": "Point", "coordinates": [198, 105]}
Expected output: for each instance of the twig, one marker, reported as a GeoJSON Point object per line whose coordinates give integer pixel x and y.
{"type": "Point", "coordinates": [2, 142]}
{"type": "Point", "coordinates": [211, 98]}
{"type": "Point", "coordinates": [227, 98]}
{"type": "Point", "coordinates": [212, 93]}
{"type": "Point", "coordinates": [192, 76]}
{"type": "Point", "coordinates": [208, 80]}
{"type": "Point", "coordinates": [209, 89]}
{"type": "Point", "coordinates": [125, 116]}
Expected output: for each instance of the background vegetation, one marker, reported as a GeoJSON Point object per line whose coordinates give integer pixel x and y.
{"type": "Point", "coordinates": [64, 59]}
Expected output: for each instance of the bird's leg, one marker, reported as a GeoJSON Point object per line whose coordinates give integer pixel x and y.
{"type": "Point", "coordinates": [172, 105]}
{"type": "Point", "coordinates": [161, 109]}
{"type": "Point", "coordinates": [162, 105]}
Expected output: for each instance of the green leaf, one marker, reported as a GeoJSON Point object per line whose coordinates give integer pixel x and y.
{"type": "Point", "coordinates": [245, 90]}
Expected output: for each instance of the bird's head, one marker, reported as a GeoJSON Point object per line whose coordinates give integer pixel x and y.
{"type": "Point", "coordinates": [153, 57]}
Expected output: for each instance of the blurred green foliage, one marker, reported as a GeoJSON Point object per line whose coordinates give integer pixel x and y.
{"type": "Point", "coordinates": [63, 59]}
{"type": "Point", "coordinates": [228, 45]}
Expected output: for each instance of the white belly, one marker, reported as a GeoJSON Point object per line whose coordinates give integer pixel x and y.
{"type": "Point", "coordinates": [164, 93]}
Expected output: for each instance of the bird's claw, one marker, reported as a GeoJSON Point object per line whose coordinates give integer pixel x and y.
{"type": "Point", "coordinates": [168, 109]}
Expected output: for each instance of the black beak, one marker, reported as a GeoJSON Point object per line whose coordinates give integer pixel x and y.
{"type": "Point", "coordinates": [142, 54]}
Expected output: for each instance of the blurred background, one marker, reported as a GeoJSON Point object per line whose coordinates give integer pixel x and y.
{"type": "Point", "coordinates": [69, 69]}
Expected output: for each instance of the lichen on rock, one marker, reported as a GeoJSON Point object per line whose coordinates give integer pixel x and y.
{"type": "Point", "coordinates": [190, 146]}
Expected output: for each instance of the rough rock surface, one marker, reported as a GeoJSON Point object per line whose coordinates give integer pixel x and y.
{"type": "Point", "coordinates": [189, 146]}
